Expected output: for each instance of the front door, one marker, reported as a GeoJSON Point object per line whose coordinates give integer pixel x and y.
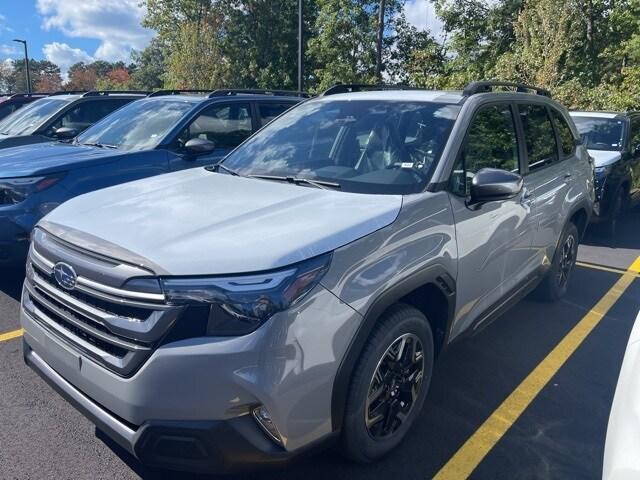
{"type": "Point", "coordinates": [494, 239]}
{"type": "Point", "coordinates": [226, 125]}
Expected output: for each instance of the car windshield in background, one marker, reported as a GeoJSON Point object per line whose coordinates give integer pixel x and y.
{"type": "Point", "coordinates": [26, 120]}
{"type": "Point", "coordinates": [364, 146]}
{"type": "Point", "coordinates": [139, 125]}
{"type": "Point", "coordinates": [601, 133]}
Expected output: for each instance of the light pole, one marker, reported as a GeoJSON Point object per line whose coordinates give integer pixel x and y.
{"type": "Point", "coordinates": [26, 62]}
{"type": "Point", "coordinates": [300, 46]}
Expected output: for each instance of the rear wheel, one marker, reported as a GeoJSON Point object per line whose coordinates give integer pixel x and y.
{"type": "Point", "coordinates": [555, 284]}
{"type": "Point", "coordinates": [389, 384]}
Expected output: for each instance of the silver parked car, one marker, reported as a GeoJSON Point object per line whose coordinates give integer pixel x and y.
{"type": "Point", "coordinates": [220, 318]}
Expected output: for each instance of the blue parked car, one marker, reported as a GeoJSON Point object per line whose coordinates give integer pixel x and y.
{"type": "Point", "coordinates": [165, 132]}
{"type": "Point", "coordinates": [61, 116]}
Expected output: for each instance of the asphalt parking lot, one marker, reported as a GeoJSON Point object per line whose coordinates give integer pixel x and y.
{"type": "Point", "coordinates": [490, 412]}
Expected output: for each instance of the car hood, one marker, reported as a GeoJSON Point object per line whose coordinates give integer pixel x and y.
{"type": "Point", "coordinates": [603, 158]}
{"type": "Point", "coordinates": [43, 158]}
{"type": "Point", "coordinates": [196, 222]}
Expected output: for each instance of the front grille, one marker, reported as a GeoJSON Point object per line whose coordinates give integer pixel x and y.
{"type": "Point", "coordinates": [117, 327]}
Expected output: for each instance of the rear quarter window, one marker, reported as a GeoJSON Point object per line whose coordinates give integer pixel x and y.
{"type": "Point", "coordinates": [567, 140]}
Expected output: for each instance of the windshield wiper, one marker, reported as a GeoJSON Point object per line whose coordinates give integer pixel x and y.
{"type": "Point", "coordinates": [220, 166]}
{"type": "Point", "coordinates": [100, 145]}
{"type": "Point", "coordinates": [298, 180]}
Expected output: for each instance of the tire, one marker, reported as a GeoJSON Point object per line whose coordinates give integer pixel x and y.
{"type": "Point", "coordinates": [402, 387]}
{"type": "Point", "coordinates": [555, 284]}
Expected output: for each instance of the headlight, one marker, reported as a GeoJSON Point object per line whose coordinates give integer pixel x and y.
{"type": "Point", "coordinates": [241, 303]}
{"type": "Point", "coordinates": [16, 190]}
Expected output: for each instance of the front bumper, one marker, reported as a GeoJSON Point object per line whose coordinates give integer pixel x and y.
{"type": "Point", "coordinates": [234, 444]}
{"type": "Point", "coordinates": [205, 387]}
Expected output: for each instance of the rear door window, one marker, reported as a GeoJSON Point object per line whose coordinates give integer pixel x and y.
{"type": "Point", "coordinates": [269, 111]}
{"type": "Point", "coordinates": [567, 141]}
{"type": "Point", "coordinates": [540, 139]}
{"type": "Point", "coordinates": [491, 142]}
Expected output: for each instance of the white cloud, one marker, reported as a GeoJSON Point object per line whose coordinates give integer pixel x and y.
{"type": "Point", "coordinates": [115, 23]}
{"type": "Point", "coordinates": [64, 56]}
{"type": "Point", "coordinates": [7, 49]}
{"type": "Point", "coordinates": [422, 15]}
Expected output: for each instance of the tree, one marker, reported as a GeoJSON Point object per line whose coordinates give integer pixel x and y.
{"type": "Point", "coordinates": [149, 66]}
{"type": "Point", "coordinates": [544, 41]}
{"type": "Point", "coordinates": [117, 79]}
{"type": "Point", "coordinates": [81, 78]}
{"type": "Point", "coordinates": [49, 82]}
{"type": "Point", "coordinates": [344, 44]}
{"type": "Point", "coordinates": [196, 60]}
{"type": "Point", "coordinates": [414, 57]}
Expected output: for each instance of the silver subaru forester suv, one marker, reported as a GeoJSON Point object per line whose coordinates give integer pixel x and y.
{"type": "Point", "coordinates": [300, 292]}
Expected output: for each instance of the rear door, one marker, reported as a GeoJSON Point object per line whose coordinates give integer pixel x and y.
{"type": "Point", "coordinates": [548, 173]}
{"type": "Point", "coordinates": [494, 239]}
{"type": "Point", "coordinates": [227, 125]}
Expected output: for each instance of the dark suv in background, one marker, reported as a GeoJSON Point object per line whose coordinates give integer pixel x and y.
{"type": "Point", "coordinates": [9, 103]}
{"type": "Point", "coordinates": [168, 131]}
{"type": "Point", "coordinates": [61, 116]}
{"type": "Point", "coordinates": [613, 141]}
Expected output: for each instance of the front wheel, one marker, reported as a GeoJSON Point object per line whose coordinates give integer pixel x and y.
{"type": "Point", "coordinates": [557, 280]}
{"type": "Point", "coordinates": [389, 384]}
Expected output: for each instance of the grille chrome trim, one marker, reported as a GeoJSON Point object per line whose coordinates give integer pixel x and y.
{"type": "Point", "coordinates": [94, 288]}
{"type": "Point", "coordinates": [99, 318]}
{"type": "Point", "coordinates": [105, 337]}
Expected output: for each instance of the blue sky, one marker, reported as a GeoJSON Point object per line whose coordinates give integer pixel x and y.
{"type": "Point", "coordinates": [68, 31]}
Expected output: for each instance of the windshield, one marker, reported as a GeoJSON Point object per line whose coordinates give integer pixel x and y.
{"type": "Point", "coordinates": [26, 120]}
{"type": "Point", "coordinates": [139, 125]}
{"type": "Point", "coordinates": [365, 146]}
{"type": "Point", "coordinates": [601, 133]}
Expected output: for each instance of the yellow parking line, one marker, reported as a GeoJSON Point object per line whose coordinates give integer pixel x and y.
{"type": "Point", "coordinates": [11, 335]}
{"type": "Point", "coordinates": [604, 268]}
{"type": "Point", "coordinates": [476, 448]}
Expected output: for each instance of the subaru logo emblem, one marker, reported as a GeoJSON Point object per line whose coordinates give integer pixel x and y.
{"type": "Point", "coordinates": [65, 275]}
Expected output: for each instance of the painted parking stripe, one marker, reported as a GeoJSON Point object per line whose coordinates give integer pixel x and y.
{"type": "Point", "coordinates": [11, 335]}
{"type": "Point", "coordinates": [603, 268]}
{"type": "Point", "coordinates": [476, 448]}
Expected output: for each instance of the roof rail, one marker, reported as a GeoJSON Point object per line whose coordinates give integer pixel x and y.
{"type": "Point", "coordinates": [25, 95]}
{"type": "Point", "coordinates": [69, 92]}
{"type": "Point", "coordinates": [489, 85]}
{"type": "Point", "coordinates": [100, 93]}
{"type": "Point", "coordinates": [362, 87]}
{"type": "Point", "coordinates": [223, 92]}
{"type": "Point", "coordinates": [159, 93]}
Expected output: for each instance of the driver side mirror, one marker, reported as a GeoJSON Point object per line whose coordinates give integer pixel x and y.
{"type": "Point", "coordinates": [199, 146]}
{"type": "Point", "coordinates": [492, 184]}
{"type": "Point", "coordinates": [65, 133]}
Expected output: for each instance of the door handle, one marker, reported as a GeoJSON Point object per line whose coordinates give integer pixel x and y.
{"type": "Point", "coordinates": [567, 176]}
